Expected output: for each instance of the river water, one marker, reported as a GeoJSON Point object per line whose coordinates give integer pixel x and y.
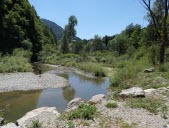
{"type": "Point", "coordinates": [16, 104]}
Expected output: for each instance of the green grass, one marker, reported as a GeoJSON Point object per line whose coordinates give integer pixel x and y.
{"type": "Point", "coordinates": [111, 105]}
{"type": "Point", "coordinates": [150, 104]}
{"type": "Point", "coordinates": [84, 111]}
{"type": "Point", "coordinates": [128, 72]}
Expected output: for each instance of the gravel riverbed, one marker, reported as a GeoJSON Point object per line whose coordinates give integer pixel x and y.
{"type": "Point", "coordinates": [30, 81]}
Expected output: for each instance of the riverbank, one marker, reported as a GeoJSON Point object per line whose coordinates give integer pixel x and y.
{"type": "Point", "coordinates": [76, 70]}
{"type": "Point", "coordinates": [98, 115]}
{"type": "Point", "coordinates": [29, 81]}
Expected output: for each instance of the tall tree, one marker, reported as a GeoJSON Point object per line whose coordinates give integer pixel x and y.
{"type": "Point", "coordinates": [96, 44]}
{"type": "Point", "coordinates": [68, 34]}
{"type": "Point", "coordinates": [20, 27]}
{"type": "Point", "coordinates": [158, 18]}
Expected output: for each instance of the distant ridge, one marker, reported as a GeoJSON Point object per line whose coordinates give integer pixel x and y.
{"type": "Point", "coordinates": [57, 30]}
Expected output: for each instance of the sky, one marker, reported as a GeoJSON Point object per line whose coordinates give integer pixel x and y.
{"type": "Point", "coordinates": [95, 17]}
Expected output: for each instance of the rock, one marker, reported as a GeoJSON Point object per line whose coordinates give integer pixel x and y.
{"type": "Point", "coordinates": [149, 91]}
{"type": "Point", "coordinates": [135, 92]}
{"type": "Point", "coordinates": [73, 104]}
{"type": "Point", "coordinates": [163, 89]}
{"type": "Point", "coordinates": [149, 70]}
{"type": "Point", "coordinates": [9, 125]}
{"type": "Point", "coordinates": [45, 116]}
{"type": "Point", "coordinates": [96, 99]}
{"type": "Point", "coordinates": [1, 121]}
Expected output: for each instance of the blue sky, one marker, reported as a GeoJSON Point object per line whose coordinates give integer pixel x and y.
{"type": "Point", "coordinates": [101, 17]}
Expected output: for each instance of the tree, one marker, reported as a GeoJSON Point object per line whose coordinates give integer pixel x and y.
{"type": "Point", "coordinates": [119, 44]}
{"type": "Point", "coordinates": [158, 15]}
{"type": "Point", "coordinates": [20, 27]}
{"type": "Point", "coordinates": [68, 34]}
{"type": "Point", "coordinates": [96, 44]}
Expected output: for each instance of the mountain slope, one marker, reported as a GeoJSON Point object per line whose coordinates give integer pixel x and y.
{"type": "Point", "coordinates": [57, 30]}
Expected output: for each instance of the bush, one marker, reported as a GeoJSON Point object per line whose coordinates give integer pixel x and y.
{"type": "Point", "coordinates": [164, 67]}
{"type": "Point", "coordinates": [100, 73]}
{"type": "Point", "coordinates": [85, 111]}
{"type": "Point", "coordinates": [111, 105]}
{"type": "Point", "coordinates": [94, 68]}
{"type": "Point", "coordinates": [128, 73]}
{"type": "Point", "coordinates": [18, 62]}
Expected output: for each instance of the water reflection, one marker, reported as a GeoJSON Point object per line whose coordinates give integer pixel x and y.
{"type": "Point", "coordinates": [52, 97]}
{"type": "Point", "coordinates": [16, 104]}
{"type": "Point", "coordinates": [43, 68]}
{"type": "Point", "coordinates": [79, 87]}
{"type": "Point", "coordinates": [68, 93]}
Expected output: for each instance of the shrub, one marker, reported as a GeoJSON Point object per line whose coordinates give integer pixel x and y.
{"type": "Point", "coordinates": [94, 68]}
{"type": "Point", "coordinates": [85, 111]}
{"type": "Point", "coordinates": [164, 67]}
{"type": "Point", "coordinates": [18, 62]}
{"type": "Point", "coordinates": [111, 105]}
{"type": "Point", "coordinates": [100, 73]}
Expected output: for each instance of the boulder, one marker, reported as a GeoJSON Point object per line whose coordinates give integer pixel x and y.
{"type": "Point", "coordinates": [96, 99]}
{"type": "Point", "coordinates": [134, 92]}
{"type": "Point", "coordinates": [9, 125]}
{"type": "Point", "coordinates": [149, 91]}
{"type": "Point", "coordinates": [73, 104]}
{"type": "Point", "coordinates": [1, 121]}
{"type": "Point", "coordinates": [44, 115]}
{"type": "Point", "coordinates": [149, 70]}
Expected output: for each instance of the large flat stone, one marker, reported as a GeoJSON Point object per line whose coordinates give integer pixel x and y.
{"type": "Point", "coordinates": [45, 116]}
{"type": "Point", "coordinates": [9, 125]}
{"type": "Point", "coordinates": [96, 99]}
{"type": "Point", "coordinates": [134, 92]}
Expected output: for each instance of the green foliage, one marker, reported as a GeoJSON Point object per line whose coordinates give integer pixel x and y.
{"type": "Point", "coordinates": [91, 68]}
{"type": "Point", "coordinates": [96, 44]}
{"type": "Point", "coordinates": [119, 44]}
{"type": "Point", "coordinates": [100, 73]}
{"type": "Point", "coordinates": [111, 105]}
{"type": "Point", "coordinates": [18, 62]}
{"type": "Point", "coordinates": [85, 111]}
{"type": "Point", "coordinates": [36, 124]}
{"type": "Point", "coordinates": [128, 71]}
{"type": "Point", "coordinates": [68, 34]}
{"type": "Point", "coordinates": [21, 28]}
{"type": "Point", "coordinates": [164, 67]}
